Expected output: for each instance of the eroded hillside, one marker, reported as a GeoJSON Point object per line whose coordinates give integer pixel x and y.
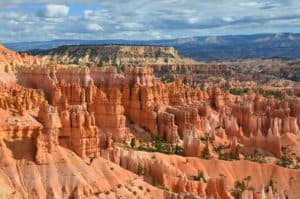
{"type": "Point", "coordinates": [91, 132]}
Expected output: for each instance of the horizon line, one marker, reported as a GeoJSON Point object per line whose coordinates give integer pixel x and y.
{"type": "Point", "coordinates": [221, 35]}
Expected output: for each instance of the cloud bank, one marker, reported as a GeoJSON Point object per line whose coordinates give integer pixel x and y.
{"type": "Point", "coordinates": [28, 20]}
{"type": "Point", "coordinates": [55, 11]}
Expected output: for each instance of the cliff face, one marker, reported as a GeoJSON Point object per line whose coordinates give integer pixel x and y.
{"type": "Point", "coordinates": [274, 76]}
{"type": "Point", "coordinates": [114, 55]}
{"type": "Point", "coordinates": [80, 132]}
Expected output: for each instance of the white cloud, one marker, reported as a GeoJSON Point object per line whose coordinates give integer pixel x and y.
{"type": "Point", "coordinates": [193, 20]}
{"type": "Point", "coordinates": [94, 27]}
{"type": "Point", "coordinates": [227, 19]}
{"type": "Point", "coordinates": [56, 11]}
{"type": "Point", "coordinates": [87, 14]}
{"type": "Point", "coordinates": [250, 4]}
{"type": "Point", "coordinates": [96, 15]}
{"type": "Point", "coordinates": [140, 19]}
{"type": "Point", "coordinates": [131, 25]}
{"type": "Point", "coordinates": [154, 34]}
{"type": "Point", "coordinates": [13, 16]}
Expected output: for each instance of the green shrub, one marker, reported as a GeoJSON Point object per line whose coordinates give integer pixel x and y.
{"type": "Point", "coordinates": [167, 79]}
{"type": "Point", "coordinates": [240, 187]}
{"type": "Point", "coordinates": [162, 186]}
{"type": "Point", "coordinates": [132, 143]}
{"type": "Point", "coordinates": [271, 184]}
{"type": "Point", "coordinates": [205, 137]}
{"type": "Point", "coordinates": [154, 180]}
{"type": "Point", "coordinates": [238, 91]}
{"type": "Point", "coordinates": [256, 158]}
{"type": "Point", "coordinates": [158, 143]}
{"type": "Point", "coordinates": [199, 176]}
{"type": "Point", "coordinates": [268, 93]}
{"type": "Point", "coordinates": [285, 160]}
{"type": "Point", "coordinates": [205, 155]}
{"type": "Point", "coordinates": [178, 150]}
{"type": "Point", "coordinates": [141, 170]}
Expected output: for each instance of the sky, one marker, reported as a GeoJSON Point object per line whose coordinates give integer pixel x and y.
{"type": "Point", "coordinates": [44, 20]}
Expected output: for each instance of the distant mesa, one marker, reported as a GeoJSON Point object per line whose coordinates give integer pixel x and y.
{"type": "Point", "coordinates": [114, 55]}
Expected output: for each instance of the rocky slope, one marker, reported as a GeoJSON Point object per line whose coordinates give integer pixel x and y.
{"type": "Point", "coordinates": [266, 76]}
{"type": "Point", "coordinates": [90, 132]}
{"type": "Point", "coordinates": [274, 76]}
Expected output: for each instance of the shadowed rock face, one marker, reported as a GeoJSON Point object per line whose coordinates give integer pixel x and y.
{"type": "Point", "coordinates": [78, 132]}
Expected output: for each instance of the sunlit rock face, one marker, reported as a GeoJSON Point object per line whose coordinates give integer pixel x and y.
{"type": "Point", "coordinates": [116, 55]}
{"type": "Point", "coordinates": [88, 132]}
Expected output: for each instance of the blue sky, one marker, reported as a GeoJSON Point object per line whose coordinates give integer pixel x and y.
{"type": "Point", "coordinates": [41, 20]}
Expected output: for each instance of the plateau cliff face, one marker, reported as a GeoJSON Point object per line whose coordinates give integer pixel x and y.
{"type": "Point", "coordinates": [114, 55]}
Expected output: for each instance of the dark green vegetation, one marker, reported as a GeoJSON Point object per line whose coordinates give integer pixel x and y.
{"type": "Point", "coordinates": [160, 186]}
{"type": "Point", "coordinates": [223, 155]}
{"type": "Point", "coordinates": [237, 91]}
{"type": "Point", "coordinates": [167, 79]}
{"type": "Point", "coordinates": [285, 161]}
{"type": "Point", "coordinates": [141, 170]}
{"type": "Point", "coordinates": [288, 159]}
{"type": "Point", "coordinates": [265, 93]}
{"type": "Point", "coordinates": [272, 186]}
{"type": "Point", "coordinates": [268, 93]}
{"type": "Point", "coordinates": [158, 145]}
{"type": "Point", "coordinates": [204, 155]}
{"type": "Point", "coordinates": [200, 176]}
{"type": "Point", "coordinates": [256, 158]}
{"type": "Point", "coordinates": [240, 187]}
{"type": "Point", "coordinates": [132, 143]}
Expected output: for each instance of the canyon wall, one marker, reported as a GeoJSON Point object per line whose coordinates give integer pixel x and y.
{"type": "Point", "coordinates": [75, 132]}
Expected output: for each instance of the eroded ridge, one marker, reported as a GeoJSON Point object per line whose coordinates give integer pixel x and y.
{"type": "Point", "coordinates": [90, 132]}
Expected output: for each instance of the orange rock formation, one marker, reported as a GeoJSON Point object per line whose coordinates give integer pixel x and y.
{"type": "Point", "coordinates": [65, 133]}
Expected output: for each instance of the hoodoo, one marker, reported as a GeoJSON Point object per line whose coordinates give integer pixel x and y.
{"type": "Point", "coordinates": [87, 131]}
